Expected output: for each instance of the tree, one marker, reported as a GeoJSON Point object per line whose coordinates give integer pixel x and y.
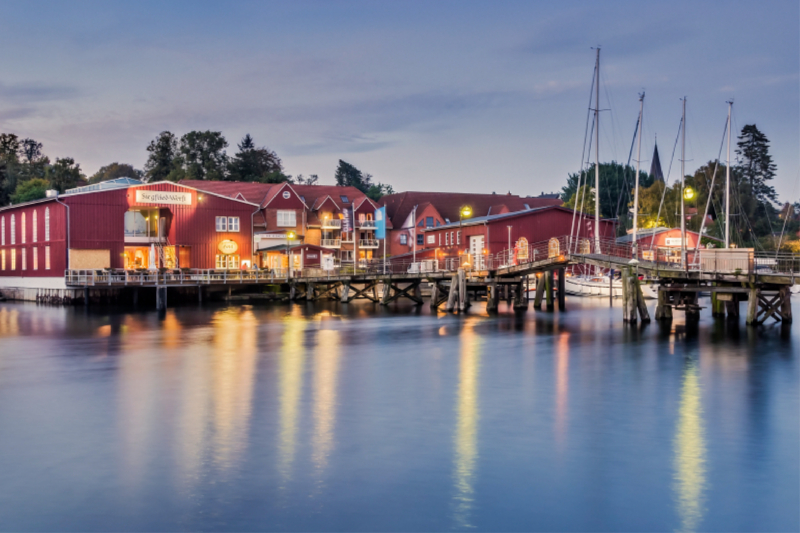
{"type": "Point", "coordinates": [31, 150]}
{"type": "Point", "coordinates": [9, 160]}
{"type": "Point", "coordinates": [582, 200]}
{"type": "Point", "coordinates": [65, 174]}
{"type": "Point", "coordinates": [32, 189]}
{"type": "Point", "coordinates": [202, 155]}
{"type": "Point", "coordinates": [115, 170]}
{"type": "Point", "coordinates": [349, 176]}
{"type": "Point", "coordinates": [312, 179]}
{"type": "Point", "coordinates": [161, 161]}
{"type": "Point", "coordinates": [756, 164]}
{"type": "Point", "coordinates": [256, 164]}
{"type": "Point", "coordinates": [616, 186]}
{"type": "Point", "coordinates": [378, 190]}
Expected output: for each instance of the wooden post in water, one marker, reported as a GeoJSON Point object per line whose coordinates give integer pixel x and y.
{"type": "Point", "coordinates": [786, 304]}
{"type": "Point", "coordinates": [161, 298]}
{"type": "Point", "coordinates": [345, 292]}
{"type": "Point", "coordinates": [611, 287]}
{"type": "Point", "coordinates": [644, 314]}
{"type": "Point", "coordinates": [562, 290]}
{"type": "Point", "coordinates": [453, 295]}
{"type": "Point", "coordinates": [387, 292]}
{"type": "Point", "coordinates": [491, 296]}
{"type": "Point", "coordinates": [548, 290]}
{"type": "Point", "coordinates": [752, 305]}
{"type": "Point", "coordinates": [434, 296]}
{"type": "Point", "coordinates": [540, 285]}
{"type": "Point", "coordinates": [663, 311]}
{"type": "Point", "coordinates": [520, 303]}
{"type": "Point", "coordinates": [310, 292]}
{"type": "Point", "coordinates": [463, 297]}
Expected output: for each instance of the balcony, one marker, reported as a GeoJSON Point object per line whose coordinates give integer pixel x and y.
{"type": "Point", "coordinates": [332, 223]}
{"type": "Point", "coordinates": [331, 243]}
{"type": "Point", "coordinates": [347, 237]}
{"type": "Point", "coordinates": [367, 224]}
{"type": "Point", "coordinates": [368, 243]}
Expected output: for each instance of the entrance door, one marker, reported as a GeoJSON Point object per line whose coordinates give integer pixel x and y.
{"type": "Point", "coordinates": [476, 250]}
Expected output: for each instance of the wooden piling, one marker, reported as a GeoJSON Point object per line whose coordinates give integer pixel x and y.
{"type": "Point", "coordinates": [663, 310]}
{"type": "Point", "coordinates": [161, 298]}
{"type": "Point", "coordinates": [786, 305]}
{"type": "Point", "coordinates": [345, 292]}
{"type": "Point", "coordinates": [548, 290]}
{"type": "Point", "coordinates": [492, 296]}
{"type": "Point", "coordinates": [752, 305]}
{"type": "Point", "coordinates": [310, 292]}
{"type": "Point", "coordinates": [520, 303]}
{"type": "Point", "coordinates": [562, 290]}
{"type": "Point", "coordinates": [387, 292]}
{"type": "Point", "coordinates": [453, 295]}
{"type": "Point", "coordinates": [463, 298]}
{"type": "Point", "coordinates": [540, 286]}
{"type": "Point", "coordinates": [644, 314]}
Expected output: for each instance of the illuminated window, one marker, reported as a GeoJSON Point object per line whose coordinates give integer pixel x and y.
{"type": "Point", "coordinates": [3, 259]}
{"type": "Point", "coordinates": [2, 231]}
{"type": "Point", "coordinates": [47, 223]}
{"type": "Point", "coordinates": [24, 259]}
{"type": "Point", "coordinates": [13, 259]}
{"type": "Point", "coordinates": [227, 262]}
{"type": "Point", "coordinates": [47, 258]}
{"type": "Point", "coordinates": [287, 219]}
{"type": "Point", "coordinates": [446, 239]}
{"type": "Point", "coordinates": [452, 238]}
{"type": "Point", "coordinates": [522, 248]}
{"type": "Point", "coordinates": [35, 253]}
{"type": "Point", "coordinates": [22, 228]}
{"type": "Point", "coordinates": [233, 224]}
{"type": "Point", "coordinates": [13, 230]}
{"type": "Point", "coordinates": [222, 223]}
{"type": "Point", "coordinates": [458, 237]}
{"type": "Point", "coordinates": [553, 248]}
{"type": "Point", "coordinates": [35, 228]}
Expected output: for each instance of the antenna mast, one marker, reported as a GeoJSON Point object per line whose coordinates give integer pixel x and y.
{"type": "Point", "coordinates": [728, 183]}
{"type": "Point", "coordinates": [597, 155]}
{"type": "Point", "coordinates": [636, 189]}
{"type": "Point", "coordinates": [683, 181]}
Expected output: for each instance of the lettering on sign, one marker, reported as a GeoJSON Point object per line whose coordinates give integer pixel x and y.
{"type": "Point", "coordinates": [311, 256]}
{"type": "Point", "coordinates": [228, 247]}
{"type": "Point", "coordinates": [672, 241]}
{"type": "Point", "coordinates": [163, 197]}
{"type": "Point", "coordinates": [286, 195]}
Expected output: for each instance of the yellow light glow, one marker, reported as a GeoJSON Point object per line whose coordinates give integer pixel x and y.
{"type": "Point", "coordinates": [688, 193]}
{"type": "Point", "coordinates": [291, 235]}
{"type": "Point", "coordinates": [466, 211]}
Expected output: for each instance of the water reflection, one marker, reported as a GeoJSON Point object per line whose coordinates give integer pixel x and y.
{"type": "Point", "coordinates": [562, 387]}
{"type": "Point", "coordinates": [466, 438]}
{"type": "Point", "coordinates": [290, 368]}
{"type": "Point", "coordinates": [690, 451]}
{"type": "Point", "coordinates": [326, 370]}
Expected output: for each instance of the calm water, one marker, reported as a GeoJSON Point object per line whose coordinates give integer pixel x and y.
{"type": "Point", "coordinates": [333, 417]}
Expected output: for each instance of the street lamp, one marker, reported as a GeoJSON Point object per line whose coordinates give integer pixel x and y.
{"type": "Point", "coordinates": [289, 237]}
{"type": "Point", "coordinates": [464, 212]}
{"type": "Point", "coordinates": [510, 256]}
{"type": "Point", "coordinates": [688, 193]}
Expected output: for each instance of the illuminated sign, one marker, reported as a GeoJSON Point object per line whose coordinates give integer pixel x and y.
{"type": "Point", "coordinates": [311, 256]}
{"type": "Point", "coordinates": [163, 197]}
{"type": "Point", "coordinates": [228, 247]}
{"type": "Point", "coordinates": [672, 241]}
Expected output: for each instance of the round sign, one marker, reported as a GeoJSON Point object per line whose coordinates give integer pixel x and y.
{"type": "Point", "coordinates": [228, 246]}
{"type": "Point", "coordinates": [286, 194]}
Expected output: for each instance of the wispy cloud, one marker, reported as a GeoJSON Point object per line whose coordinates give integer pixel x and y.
{"type": "Point", "coordinates": [37, 92]}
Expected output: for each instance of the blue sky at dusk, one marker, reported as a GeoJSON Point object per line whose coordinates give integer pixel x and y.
{"type": "Point", "coordinates": [476, 96]}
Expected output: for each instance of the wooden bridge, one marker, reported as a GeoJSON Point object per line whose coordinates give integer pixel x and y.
{"type": "Point", "coordinates": [731, 276]}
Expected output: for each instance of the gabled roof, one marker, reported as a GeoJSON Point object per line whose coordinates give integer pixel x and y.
{"type": "Point", "coordinates": [473, 221]}
{"type": "Point", "coordinates": [250, 191]}
{"type": "Point", "coordinates": [448, 204]}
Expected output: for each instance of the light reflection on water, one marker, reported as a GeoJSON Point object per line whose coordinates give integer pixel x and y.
{"type": "Point", "coordinates": [319, 417]}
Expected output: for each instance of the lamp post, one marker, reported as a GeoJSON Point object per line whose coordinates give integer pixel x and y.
{"type": "Point", "coordinates": [289, 237]}
{"type": "Point", "coordinates": [510, 256]}
{"type": "Point", "coordinates": [464, 212]}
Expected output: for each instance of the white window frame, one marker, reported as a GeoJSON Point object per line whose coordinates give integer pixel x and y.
{"type": "Point", "coordinates": [3, 230]}
{"type": "Point", "coordinates": [22, 223]}
{"type": "Point", "coordinates": [431, 239]}
{"type": "Point", "coordinates": [446, 239]}
{"type": "Point", "coordinates": [13, 229]}
{"type": "Point", "coordinates": [403, 239]}
{"type": "Point", "coordinates": [24, 259]}
{"type": "Point", "coordinates": [440, 238]}
{"type": "Point", "coordinates": [35, 254]}
{"type": "Point", "coordinates": [458, 237]}
{"type": "Point", "coordinates": [222, 224]}
{"type": "Point", "coordinates": [286, 218]}
{"type": "Point", "coordinates": [13, 259]}
{"type": "Point", "coordinates": [35, 224]}
{"type": "Point", "coordinates": [233, 224]}
{"type": "Point", "coordinates": [3, 259]}
{"type": "Point", "coordinates": [452, 238]}
{"type": "Point", "coordinates": [47, 224]}
{"type": "Point", "coordinates": [47, 258]}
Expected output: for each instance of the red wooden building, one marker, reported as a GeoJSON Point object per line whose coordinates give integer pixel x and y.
{"type": "Point", "coordinates": [121, 227]}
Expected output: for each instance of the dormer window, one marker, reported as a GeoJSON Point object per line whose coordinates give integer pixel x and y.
{"type": "Point", "coordinates": [344, 198]}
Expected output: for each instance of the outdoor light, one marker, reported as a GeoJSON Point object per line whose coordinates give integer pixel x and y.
{"type": "Point", "coordinates": [291, 235]}
{"type": "Point", "coordinates": [688, 193]}
{"type": "Point", "coordinates": [466, 211]}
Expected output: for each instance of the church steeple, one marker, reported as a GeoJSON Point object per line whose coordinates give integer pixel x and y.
{"type": "Point", "coordinates": [655, 166]}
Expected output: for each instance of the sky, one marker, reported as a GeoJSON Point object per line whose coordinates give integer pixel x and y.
{"type": "Point", "coordinates": [469, 96]}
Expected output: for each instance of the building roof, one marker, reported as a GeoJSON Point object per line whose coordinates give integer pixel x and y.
{"type": "Point", "coordinates": [250, 191]}
{"type": "Point", "coordinates": [473, 221]}
{"type": "Point", "coordinates": [650, 232]}
{"type": "Point", "coordinates": [116, 183]}
{"type": "Point", "coordinates": [448, 204]}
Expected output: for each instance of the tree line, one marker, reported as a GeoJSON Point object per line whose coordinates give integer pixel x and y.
{"type": "Point", "coordinates": [26, 173]}
{"type": "Point", "coordinates": [758, 220]}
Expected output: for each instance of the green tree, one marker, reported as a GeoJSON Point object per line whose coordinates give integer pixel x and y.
{"type": "Point", "coordinates": [616, 186]}
{"type": "Point", "coordinates": [115, 170]}
{"type": "Point", "coordinates": [582, 200]}
{"type": "Point", "coordinates": [65, 174]}
{"type": "Point", "coordinates": [256, 164]}
{"type": "Point", "coordinates": [312, 179]}
{"type": "Point", "coordinates": [378, 190]}
{"type": "Point", "coordinates": [348, 175]}
{"type": "Point", "coordinates": [9, 160]}
{"type": "Point", "coordinates": [32, 189]}
{"type": "Point", "coordinates": [755, 163]}
{"type": "Point", "coordinates": [163, 151]}
{"type": "Point", "coordinates": [202, 155]}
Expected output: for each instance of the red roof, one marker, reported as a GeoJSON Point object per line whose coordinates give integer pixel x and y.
{"type": "Point", "coordinates": [252, 192]}
{"type": "Point", "coordinates": [400, 205]}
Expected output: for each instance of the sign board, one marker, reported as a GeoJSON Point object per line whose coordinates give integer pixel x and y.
{"type": "Point", "coordinates": [228, 246]}
{"type": "Point", "coordinates": [327, 262]}
{"type": "Point", "coordinates": [431, 239]}
{"type": "Point", "coordinates": [672, 241]}
{"type": "Point", "coordinates": [347, 222]}
{"type": "Point", "coordinates": [380, 223]}
{"type": "Point", "coordinates": [163, 197]}
{"type": "Point", "coordinates": [312, 256]}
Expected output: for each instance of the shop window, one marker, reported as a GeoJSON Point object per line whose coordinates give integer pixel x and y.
{"type": "Point", "coordinates": [47, 258]}
{"type": "Point", "coordinates": [227, 262]}
{"type": "Point", "coordinates": [222, 223]}
{"type": "Point", "coordinates": [35, 226]}
{"type": "Point", "coordinates": [420, 239]}
{"type": "Point", "coordinates": [46, 223]}
{"type": "Point", "coordinates": [141, 223]}
{"type": "Point", "coordinates": [35, 253]}
{"type": "Point", "coordinates": [22, 220]}
{"type": "Point", "coordinates": [403, 238]}
{"type": "Point", "coordinates": [13, 230]}
{"type": "Point", "coordinates": [287, 218]}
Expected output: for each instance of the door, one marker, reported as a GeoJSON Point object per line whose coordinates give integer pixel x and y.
{"type": "Point", "coordinates": [476, 251]}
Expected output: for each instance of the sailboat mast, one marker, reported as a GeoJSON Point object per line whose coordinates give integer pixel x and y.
{"type": "Point", "coordinates": [683, 182]}
{"type": "Point", "coordinates": [638, 164]}
{"type": "Point", "coordinates": [728, 184]}
{"type": "Point", "coordinates": [597, 155]}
